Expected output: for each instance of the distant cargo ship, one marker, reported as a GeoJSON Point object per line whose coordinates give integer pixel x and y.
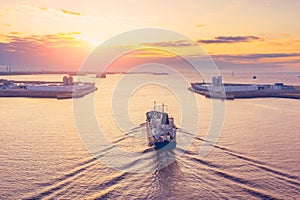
{"type": "Point", "coordinates": [161, 129]}
{"type": "Point", "coordinates": [217, 89]}
{"type": "Point", "coordinates": [60, 90]}
{"type": "Point", "coordinates": [101, 75]}
{"type": "Point", "coordinates": [160, 73]}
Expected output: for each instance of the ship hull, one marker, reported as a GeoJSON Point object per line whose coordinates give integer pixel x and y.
{"type": "Point", "coordinates": [166, 145]}
{"type": "Point", "coordinates": [161, 130]}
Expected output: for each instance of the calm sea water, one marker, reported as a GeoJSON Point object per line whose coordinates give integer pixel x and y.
{"type": "Point", "coordinates": [42, 154]}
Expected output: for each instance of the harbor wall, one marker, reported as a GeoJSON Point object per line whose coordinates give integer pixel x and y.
{"type": "Point", "coordinates": [58, 88]}
{"type": "Point", "coordinates": [248, 92]}
{"type": "Point", "coordinates": [78, 92]}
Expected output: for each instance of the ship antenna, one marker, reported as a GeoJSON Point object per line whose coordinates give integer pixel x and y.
{"type": "Point", "coordinates": [154, 105]}
{"type": "Point", "coordinates": [163, 107]}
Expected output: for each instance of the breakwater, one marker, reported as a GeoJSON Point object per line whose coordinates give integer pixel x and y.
{"type": "Point", "coordinates": [235, 91]}
{"type": "Point", "coordinates": [43, 89]}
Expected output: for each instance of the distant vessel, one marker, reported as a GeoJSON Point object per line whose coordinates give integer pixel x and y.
{"type": "Point", "coordinates": [101, 75]}
{"type": "Point", "coordinates": [254, 77]}
{"type": "Point", "coordinates": [160, 73]}
{"type": "Point", "coordinates": [161, 129]}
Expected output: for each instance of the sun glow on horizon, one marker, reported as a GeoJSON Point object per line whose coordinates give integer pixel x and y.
{"type": "Point", "coordinates": [228, 30]}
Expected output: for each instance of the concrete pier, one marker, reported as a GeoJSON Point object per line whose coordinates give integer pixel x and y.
{"type": "Point", "coordinates": [217, 89]}
{"type": "Point", "coordinates": [42, 89]}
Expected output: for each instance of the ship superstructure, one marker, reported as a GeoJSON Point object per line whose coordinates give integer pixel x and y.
{"type": "Point", "coordinates": [161, 129]}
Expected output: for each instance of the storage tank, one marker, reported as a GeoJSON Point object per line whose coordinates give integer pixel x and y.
{"type": "Point", "coordinates": [65, 80]}
{"type": "Point", "coordinates": [70, 80]}
{"type": "Point", "coordinates": [219, 81]}
{"type": "Point", "coordinates": [214, 81]}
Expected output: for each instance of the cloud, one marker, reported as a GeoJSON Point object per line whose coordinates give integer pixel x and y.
{"type": "Point", "coordinates": [179, 43]}
{"type": "Point", "coordinates": [151, 53]}
{"type": "Point", "coordinates": [70, 33]}
{"type": "Point", "coordinates": [258, 62]}
{"type": "Point", "coordinates": [17, 42]}
{"type": "Point", "coordinates": [67, 12]}
{"type": "Point", "coordinates": [229, 39]}
{"type": "Point", "coordinates": [146, 54]}
{"type": "Point", "coordinates": [284, 34]}
{"type": "Point", "coordinates": [255, 56]}
{"type": "Point", "coordinates": [15, 33]}
{"type": "Point", "coordinates": [34, 52]}
{"type": "Point", "coordinates": [43, 8]}
{"type": "Point", "coordinates": [76, 33]}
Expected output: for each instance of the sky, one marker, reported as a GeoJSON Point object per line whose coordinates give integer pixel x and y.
{"type": "Point", "coordinates": [244, 35]}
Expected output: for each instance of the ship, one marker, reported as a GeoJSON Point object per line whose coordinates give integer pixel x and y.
{"type": "Point", "coordinates": [161, 129]}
